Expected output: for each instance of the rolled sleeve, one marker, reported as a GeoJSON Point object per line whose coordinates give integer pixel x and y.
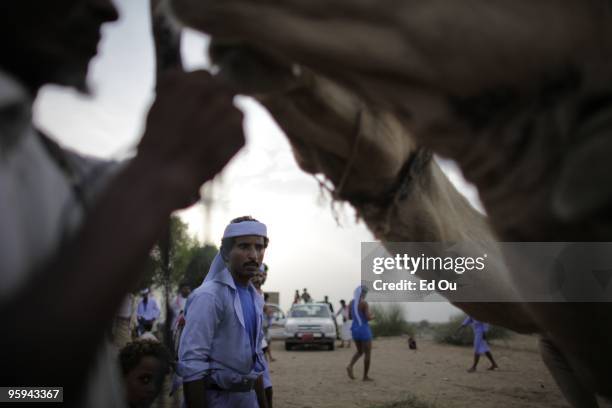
{"type": "Point", "coordinates": [196, 340]}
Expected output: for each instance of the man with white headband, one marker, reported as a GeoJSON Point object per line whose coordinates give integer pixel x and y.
{"type": "Point", "coordinates": [220, 357]}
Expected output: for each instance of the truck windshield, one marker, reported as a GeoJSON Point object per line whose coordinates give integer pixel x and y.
{"type": "Point", "coordinates": [310, 311]}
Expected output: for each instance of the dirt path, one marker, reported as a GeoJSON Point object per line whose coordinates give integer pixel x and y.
{"type": "Point", "coordinates": [434, 374]}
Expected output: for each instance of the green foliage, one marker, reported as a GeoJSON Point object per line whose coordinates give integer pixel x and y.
{"type": "Point", "coordinates": [448, 333]}
{"type": "Point", "coordinates": [389, 321]}
{"type": "Point", "coordinates": [423, 325]}
{"type": "Point", "coordinates": [183, 250]}
{"type": "Point", "coordinates": [199, 264]}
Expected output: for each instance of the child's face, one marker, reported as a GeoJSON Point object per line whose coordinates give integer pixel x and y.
{"type": "Point", "coordinates": [143, 382]}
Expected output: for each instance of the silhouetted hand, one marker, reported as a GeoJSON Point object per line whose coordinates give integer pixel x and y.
{"type": "Point", "coordinates": [192, 131]}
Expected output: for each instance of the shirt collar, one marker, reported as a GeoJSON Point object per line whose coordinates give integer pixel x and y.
{"type": "Point", "coordinates": [226, 278]}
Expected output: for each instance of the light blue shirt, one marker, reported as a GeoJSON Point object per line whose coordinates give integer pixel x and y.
{"type": "Point", "coordinates": [214, 341]}
{"type": "Point", "coordinates": [249, 314]}
{"type": "Point", "coordinates": [148, 312]}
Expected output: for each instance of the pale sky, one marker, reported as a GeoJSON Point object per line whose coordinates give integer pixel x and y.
{"type": "Point", "coordinates": [307, 248]}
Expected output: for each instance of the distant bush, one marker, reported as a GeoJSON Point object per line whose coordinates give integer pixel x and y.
{"type": "Point", "coordinates": [446, 333]}
{"type": "Point", "coordinates": [423, 325]}
{"type": "Point", "coordinates": [389, 321]}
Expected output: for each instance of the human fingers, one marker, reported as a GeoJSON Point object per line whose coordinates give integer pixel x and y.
{"type": "Point", "coordinates": [221, 140]}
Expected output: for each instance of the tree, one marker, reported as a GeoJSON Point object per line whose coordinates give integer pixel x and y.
{"type": "Point", "coordinates": [182, 248]}
{"type": "Point", "coordinates": [199, 265]}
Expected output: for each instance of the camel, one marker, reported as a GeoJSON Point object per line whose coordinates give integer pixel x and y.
{"type": "Point", "coordinates": [366, 89]}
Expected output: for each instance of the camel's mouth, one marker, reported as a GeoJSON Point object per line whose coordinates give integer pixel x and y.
{"type": "Point", "coordinates": [252, 71]}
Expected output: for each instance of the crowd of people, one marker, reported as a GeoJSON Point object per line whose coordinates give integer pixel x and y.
{"type": "Point", "coordinates": [194, 346]}
{"type": "Point", "coordinates": [223, 353]}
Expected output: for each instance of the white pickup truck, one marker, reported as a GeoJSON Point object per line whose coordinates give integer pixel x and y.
{"type": "Point", "coordinates": [310, 323]}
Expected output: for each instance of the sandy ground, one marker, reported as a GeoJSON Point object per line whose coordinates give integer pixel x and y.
{"type": "Point", "coordinates": [434, 374]}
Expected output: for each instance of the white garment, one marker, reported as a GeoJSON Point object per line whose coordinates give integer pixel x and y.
{"type": "Point", "coordinates": [346, 313]}
{"type": "Point", "coordinates": [38, 210]}
{"type": "Point", "coordinates": [345, 332]}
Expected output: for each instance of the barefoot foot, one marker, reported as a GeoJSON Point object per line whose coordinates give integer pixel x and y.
{"type": "Point", "coordinates": [349, 371]}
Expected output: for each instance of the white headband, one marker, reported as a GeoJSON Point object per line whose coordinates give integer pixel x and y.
{"type": "Point", "coordinates": [240, 229]}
